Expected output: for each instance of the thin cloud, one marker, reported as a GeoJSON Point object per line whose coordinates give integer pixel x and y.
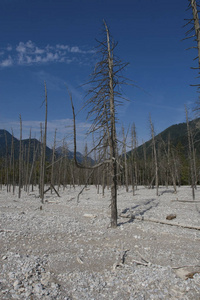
{"type": "Point", "coordinates": [6, 62]}
{"type": "Point", "coordinates": [63, 127]}
{"type": "Point", "coordinates": [9, 48]}
{"type": "Point", "coordinates": [28, 53]}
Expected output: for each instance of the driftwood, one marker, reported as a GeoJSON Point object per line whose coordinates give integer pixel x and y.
{"type": "Point", "coordinates": [140, 263]}
{"type": "Point", "coordinates": [52, 187]}
{"type": "Point", "coordinates": [129, 216]}
{"type": "Point", "coordinates": [79, 260]}
{"type": "Point", "coordinates": [121, 260]}
{"type": "Point", "coordinates": [84, 188]}
{"type": "Point", "coordinates": [6, 230]}
{"type": "Point", "coordinates": [52, 201]}
{"type": "Point", "coordinates": [186, 201]}
{"type": "Point", "coordinates": [71, 199]}
{"type": "Point", "coordinates": [90, 216]}
{"type": "Point", "coordinates": [186, 271]}
{"type": "Point", "coordinates": [146, 261]}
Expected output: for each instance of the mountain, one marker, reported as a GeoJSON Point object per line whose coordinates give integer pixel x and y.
{"type": "Point", "coordinates": [177, 134]}
{"type": "Point", "coordinates": [6, 138]}
{"type": "Point", "coordinates": [70, 154]}
{"type": "Point", "coordinates": [178, 138]}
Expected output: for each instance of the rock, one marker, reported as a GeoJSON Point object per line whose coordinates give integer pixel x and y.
{"type": "Point", "coordinates": [38, 288]}
{"type": "Point", "coordinates": [45, 278]}
{"type": "Point", "coordinates": [90, 216]}
{"type": "Point", "coordinates": [11, 275]}
{"type": "Point", "coordinates": [16, 284]}
{"type": "Point", "coordinates": [171, 217]}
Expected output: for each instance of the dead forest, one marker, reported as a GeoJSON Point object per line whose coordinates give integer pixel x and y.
{"type": "Point", "coordinates": [30, 165]}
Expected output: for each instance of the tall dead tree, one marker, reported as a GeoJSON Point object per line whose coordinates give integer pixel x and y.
{"type": "Point", "coordinates": [44, 141]}
{"type": "Point", "coordinates": [52, 160]}
{"type": "Point", "coordinates": [125, 158]}
{"type": "Point", "coordinates": [190, 155]}
{"type": "Point", "coordinates": [20, 158]}
{"type": "Point", "coordinates": [103, 99]}
{"type": "Point", "coordinates": [194, 32]}
{"type": "Point", "coordinates": [6, 163]}
{"type": "Point", "coordinates": [154, 154]}
{"type": "Point", "coordinates": [193, 5]}
{"type": "Point", "coordinates": [13, 162]}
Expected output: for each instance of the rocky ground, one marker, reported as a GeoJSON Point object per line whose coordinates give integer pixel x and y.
{"type": "Point", "coordinates": [65, 250]}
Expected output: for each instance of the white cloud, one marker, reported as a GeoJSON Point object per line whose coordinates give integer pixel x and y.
{"type": "Point", "coordinates": [39, 51]}
{"type": "Point", "coordinates": [7, 62]}
{"type": "Point", "coordinates": [9, 48]}
{"type": "Point", "coordinates": [76, 50]}
{"type": "Point", "coordinates": [28, 53]}
{"type": "Point", "coordinates": [63, 47]}
{"type": "Point", "coordinates": [21, 48]}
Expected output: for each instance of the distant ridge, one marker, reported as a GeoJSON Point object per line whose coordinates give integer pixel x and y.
{"type": "Point", "coordinates": [34, 144]}
{"type": "Point", "coordinates": [178, 136]}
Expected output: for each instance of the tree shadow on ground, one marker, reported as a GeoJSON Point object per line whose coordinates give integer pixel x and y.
{"type": "Point", "coordinates": [138, 210]}
{"type": "Point", "coordinates": [167, 192]}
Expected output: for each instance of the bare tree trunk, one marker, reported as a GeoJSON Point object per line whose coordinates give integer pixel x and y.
{"type": "Point", "coordinates": [6, 162]}
{"type": "Point", "coordinates": [52, 161]}
{"type": "Point", "coordinates": [145, 165]}
{"type": "Point", "coordinates": [125, 159]}
{"type": "Point", "coordinates": [28, 162]}
{"type": "Point", "coordinates": [155, 154]}
{"type": "Point", "coordinates": [20, 158]}
{"type": "Point", "coordinates": [44, 149]}
{"type": "Point", "coordinates": [41, 160]}
{"type": "Point", "coordinates": [103, 104]}
{"type": "Point", "coordinates": [196, 26]}
{"type": "Point", "coordinates": [112, 142]}
{"type": "Point", "coordinates": [13, 162]}
{"type": "Point", "coordinates": [190, 155]}
{"type": "Point", "coordinates": [32, 166]}
{"type": "Point", "coordinates": [135, 155]}
{"type": "Point", "coordinates": [194, 162]}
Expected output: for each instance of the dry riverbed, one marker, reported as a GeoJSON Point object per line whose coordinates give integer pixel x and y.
{"type": "Point", "coordinates": [65, 250]}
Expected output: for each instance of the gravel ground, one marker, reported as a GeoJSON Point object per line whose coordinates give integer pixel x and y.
{"type": "Point", "coordinates": [65, 250]}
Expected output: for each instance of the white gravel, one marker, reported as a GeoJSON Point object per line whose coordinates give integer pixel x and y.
{"type": "Point", "coordinates": [67, 250]}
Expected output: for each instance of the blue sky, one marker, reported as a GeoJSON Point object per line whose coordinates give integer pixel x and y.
{"type": "Point", "coordinates": [54, 40]}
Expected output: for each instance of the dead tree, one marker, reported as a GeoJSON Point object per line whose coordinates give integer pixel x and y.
{"type": "Point", "coordinates": [103, 99]}
{"type": "Point", "coordinates": [28, 163]}
{"type": "Point", "coordinates": [13, 162]}
{"type": "Point", "coordinates": [43, 158]}
{"type": "Point", "coordinates": [190, 154]}
{"type": "Point", "coordinates": [20, 158]}
{"type": "Point", "coordinates": [125, 158]}
{"type": "Point", "coordinates": [52, 160]}
{"type": "Point", "coordinates": [194, 32]}
{"type": "Point", "coordinates": [193, 5]}
{"type": "Point", "coordinates": [154, 154]}
{"type": "Point", "coordinates": [134, 157]}
{"type": "Point", "coordinates": [6, 163]}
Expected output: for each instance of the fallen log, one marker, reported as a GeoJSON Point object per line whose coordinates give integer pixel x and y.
{"type": "Point", "coordinates": [186, 201]}
{"type": "Point", "coordinates": [159, 221]}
